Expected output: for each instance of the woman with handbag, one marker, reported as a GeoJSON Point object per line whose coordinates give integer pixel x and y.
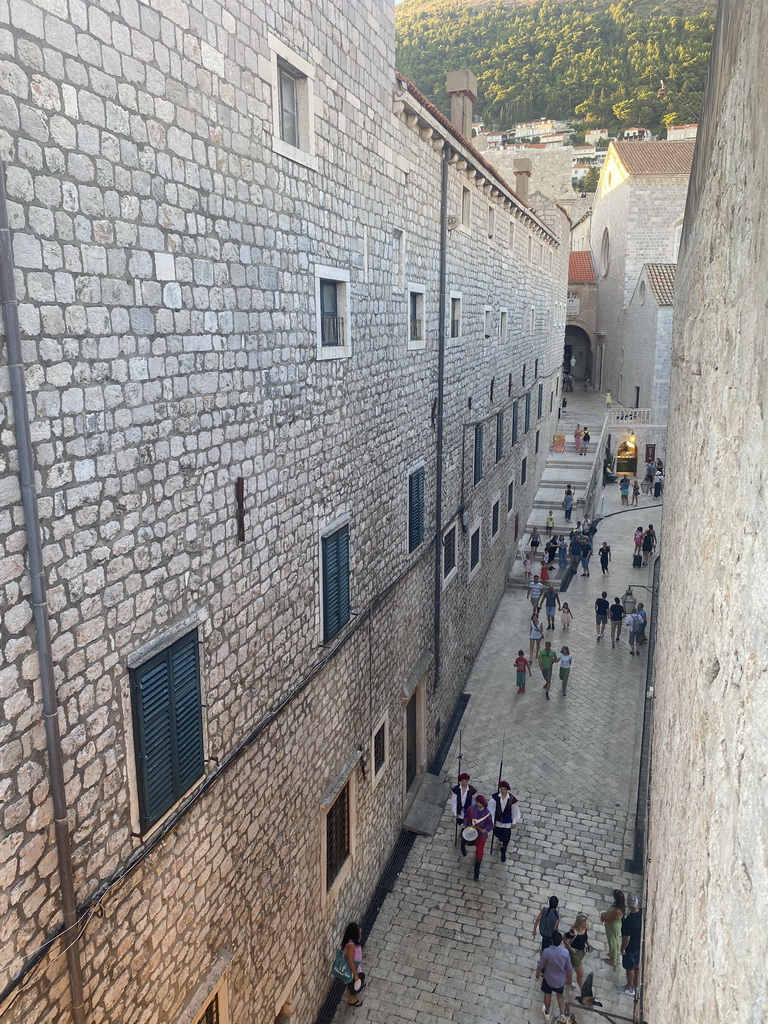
{"type": "Point", "coordinates": [351, 947]}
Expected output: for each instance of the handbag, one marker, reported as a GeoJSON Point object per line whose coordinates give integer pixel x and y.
{"type": "Point", "coordinates": [340, 967]}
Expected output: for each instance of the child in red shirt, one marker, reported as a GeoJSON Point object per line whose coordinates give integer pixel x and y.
{"type": "Point", "coordinates": [522, 665]}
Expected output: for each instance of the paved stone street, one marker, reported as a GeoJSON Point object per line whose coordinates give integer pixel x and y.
{"type": "Point", "coordinates": [447, 948]}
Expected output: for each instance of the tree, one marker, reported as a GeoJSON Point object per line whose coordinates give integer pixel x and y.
{"type": "Point", "coordinates": [590, 180]}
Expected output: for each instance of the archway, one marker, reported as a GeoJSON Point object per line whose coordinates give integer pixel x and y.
{"type": "Point", "coordinates": [577, 353]}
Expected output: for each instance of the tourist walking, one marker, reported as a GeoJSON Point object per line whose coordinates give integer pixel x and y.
{"type": "Point", "coordinates": [601, 614]}
{"type": "Point", "coordinates": [505, 811]}
{"type": "Point", "coordinates": [608, 399]}
{"type": "Point", "coordinates": [554, 969]}
{"type": "Point", "coordinates": [642, 616]}
{"type": "Point", "coordinates": [648, 543]}
{"type": "Point", "coordinates": [527, 566]}
{"type": "Point", "coordinates": [634, 623]}
{"type": "Point", "coordinates": [462, 795]}
{"type": "Point", "coordinates": [624, 488]}
{"type": "Point", "coordinates": [535, 635]}
{"type": "Point", "coordinates": [568, 503]}
{"type": "Point", "coordinates": [586, 554]}
{"type": "Point", "coordinates": [631, 928]}
{"type": "Point", "coordinates": [351, 943]}
{"type": "Point", "coordinates": [658, 484]}
{"type": "Point", "coordinates": [566, 616]}
{"type": "Point", "coordinates": [617, 618]}
{"type": "Point", "coordinates": [522, 667]}
{"type": "Point", "coordinates": [612, 918]}
{"type": "Point", "coordinates": [551, 550]}
{"type": "Point", "coordinates": [534, 542]}
{"type": "Point", "coordinates": [535, 590]}
{"type": "Point", "coordinates": [550, 522]}
{"type": "Point", "coordinates": [635, 491]}
{"type": "Point", "coordinates": [565, 667]}
{"type": "Point", "coordinates": [605, 557]}
{"type": "Point", "coordinates": [551, 604]}
{"type": "Point", "coordinates": [577, 943]}
{"type": "Point", "coordinates": [639, 532]}
{"type": "Point", "coordinates": [574, 550]}
{"type": "Point", "coordinates": [546, 923]}
{"type": "Point", "coordinates": [478, 817]}
{"type": "Point", "coordinates": [547, 659]}
{"type": "Point", "coordinates": [578, 437]}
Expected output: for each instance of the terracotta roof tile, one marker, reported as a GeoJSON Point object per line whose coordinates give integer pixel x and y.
{"type": "Point", "coordinates": [656, 157]}
{"type": "Point", "coordinates": [662, 280]}
{"type": "Point", "coordinates": [580, 267]}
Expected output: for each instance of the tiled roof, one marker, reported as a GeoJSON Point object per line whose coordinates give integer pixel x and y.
{"type": "Point", "coordinates": [580, 267]}
{"type": "Point", "coordinates": [656, 157]}
{"type": "Point", "coordinates": [662, 279]}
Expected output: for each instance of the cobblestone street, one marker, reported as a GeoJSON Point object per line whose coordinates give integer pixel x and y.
{"type": "Point", "coordinates": [447, 948]}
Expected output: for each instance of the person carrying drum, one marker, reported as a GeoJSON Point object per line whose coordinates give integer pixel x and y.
{"type": "Point", "coordinates": [478, 825]}
{"type": "Point", "coordinates": [505, 811]}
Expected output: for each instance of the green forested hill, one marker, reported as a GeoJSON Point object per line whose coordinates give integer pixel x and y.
{"type": "Point", "coordinates": [562, 58]}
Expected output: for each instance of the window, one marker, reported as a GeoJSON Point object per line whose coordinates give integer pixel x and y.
{"type": "Point", "coordinates": [523, 471]}
{"type": "Point", "coordinates": [380, 747]}
{"type": "Point", "coordinates": [637, 398]}
{"type": "Point", "coordinates": [210, 1014]}
{"type": "Point", "coordinates": [523, 380]}
{"type": "Point", "coordinates": [415, 508]}
{"type": "Point", "coordinates": [478, 460]}
{"type": "Point", "coordinates": [551, 400]}
{"type": "Point", "coordinates": [168, 726]}
{"type": "Point", "coordinates": [466, 207]}
{"type": "Point", "coordinates": [293, 106]}
{"type": "Point", "coordinates": [540, 402]}
{"type": "Point", "coordinates": [416, 316]}
{"type": "Point", "coordinates": [510, 496]}
{"type": "Point", "coordinates": [676, 242]}
{"type": "Point", "coordinates": [332, 303]}
{"type": "Point", "coordinates": [503, 324]}
{"type": "Point", "coordinates": [487, 321]}
{"type": "Point", "coordinates": [474, 550]}
{"type": "Point", "coordinates": [449, 553]}
{"type": "Point", "coordinates": [499, 436]}
{"type": "Point", "coordinates": [541, 253]}
{"type": "Point", "coordinates": [455, 316]}
{"type": "Point", "coordinates": [605, 252]}
{"type": "Point", "coordinates": [337, 836]}
{"type": "Point", "coordinates": [495, 519]}
{"type": "Point", "coordinates": [536, 370]}
{"type": "Point", "coordinates": [514, 423]}
{"type": "Point", "coordinates": [536, 446]}
{"type": "Point", "coordinates": [491, 221]}
{"type": "Point", "coordinates": [335, 573]}
{"type": "Point", "coordinates": [527, 412]}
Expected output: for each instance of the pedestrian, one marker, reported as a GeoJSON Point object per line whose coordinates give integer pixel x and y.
{"type": "Point", "coordinates": [635, 491]}
{"type": "Point", "coordinates": [546, 923]}
{"type": "Point", "coordinates": [574, 550]}
{"type": "Point", "coordinates": [550, 522]}
{"type": "Point", "coordinates": [566, 616]}
{"type": "Point", "coordinates": [647, 544]}
{"type": "Point", "coordinates": [547, 659]}
{"type": "Point", "coordinates": [551, 602]}
{"type": "Point", "coordinates": [624, 488]}
{"type": "Point", "coordinates": [562, 548]}
{"type": "Point", "coordinates": [351, 943]}
{"type": "Point", "coordinates": [586, 438]}
{"type": "Point", "coordinates": [551, 550]}
{"type": "Point", "coordinates": [478, 817]}
{"type": "Point", "coordinates": [535, 587]}
{"type": "Point", "coordinates": [586, 554]}
{"type": "Point", "coordinates": [535, 635]}
{"type": "Point", "coordinates": [611, 919]}
{"type": "Point", "coordinates": [565, 667]}
{"type": "Point", "coordinates": [634, 624]}
{"type": "Point", "coordinates": [617, 617]}
{"type": "Point", "coordinates": [568, 503]}
{"type": "Point", "coordinates": [505, 811]}
{"type": "Point", "coordinates": [631, 928]}
{"type": "Point", "coordinates": [608, 399]}
{"type": "Point", "coordinates": [650, 473]}
{"type": "Point", "coordinates": [642, 616]}
{"type": "Point", "coordinates": [544, 570]}
{"type": "Point", "coordinates": [601, 614]}
{"type": "Point", "coordinates": [462, 795]}
{"type": "Point", "coordinates": [527, 566]}
{"type": "Point", "coordinates": [578, 436]}
{"type": "Point", "coordinates": [639, 539]}
{"type": "Point", "coordinates": [605, 557]}
{"type": "Point", "coordinates": [522, 666]}
{"type": "Point", "coordinates": [586, 527]}
{"type": "Point", "coordinates": [554, 969]}
{"type": "Point", "coordinates": [534, 542]}
{"type": "Point", "coordinates": [577, 943]}
{"type": "Point", "coordinates": [658, 484]}
{"type": "Point", "coordinates": [586, 382]}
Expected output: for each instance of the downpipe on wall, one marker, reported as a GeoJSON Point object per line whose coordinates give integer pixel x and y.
{"type": "Point", "coordinates": [441, 312]}
{"type": "Point", "coordinates": [29, 500]}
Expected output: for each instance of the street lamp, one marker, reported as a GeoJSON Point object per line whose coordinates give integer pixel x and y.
{"type": "Point", "coordinates": [628, 601]}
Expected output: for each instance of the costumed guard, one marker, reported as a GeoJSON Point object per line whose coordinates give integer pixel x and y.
{"type": "Point", "coordinates": [461, 797]}
{"type": "Point", "coordinates": [505, 811]}
{"type": "Point", "coordinates": [477, 820]}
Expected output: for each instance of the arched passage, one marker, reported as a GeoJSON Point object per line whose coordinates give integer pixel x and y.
{"type": "Point", "coordinates": [577, 352]}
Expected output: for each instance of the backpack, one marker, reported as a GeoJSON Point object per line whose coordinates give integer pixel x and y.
{"type": "Point", "coordinates": [547, 923]}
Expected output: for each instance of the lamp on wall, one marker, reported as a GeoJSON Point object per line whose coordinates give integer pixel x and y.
{"type": "Point", "coordinates": [628, 601]}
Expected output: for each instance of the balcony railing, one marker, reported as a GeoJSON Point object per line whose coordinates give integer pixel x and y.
{"type": "Point", "coordinates": [628, 416]}
{"type": "Point", "coordinates": [332, 331]}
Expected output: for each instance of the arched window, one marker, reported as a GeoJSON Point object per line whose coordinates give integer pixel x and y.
{"type": "Point", "coordinates": [676, 244]}
{"type": "Point", "coordinates": [605, 252]}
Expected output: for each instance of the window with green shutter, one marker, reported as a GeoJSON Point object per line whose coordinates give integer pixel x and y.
{"type": "Point", "coordinates": [540, 403]}
{"type": "Point", "coordinates": [495, 519]}
{"type": "Point", "coordinates": [499, 436]}
{"type": "Point", "coordinates": [335, 582]}
{"type": "Point", "coordinates": [514, 423]}
{"type": "Point", "coordinates": [478, 453]}
{"type": "Point", "coordinates": [474, 550]}
{"type": "Point", "coordinates": [168, 727]}
{"type": "Point", "coordinates": [415, 509]}
{"type": "Point", "coordinates": [527, 412]}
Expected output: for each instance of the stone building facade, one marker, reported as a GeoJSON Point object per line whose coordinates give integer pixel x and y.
{"type": "Point", "coordinates": [707, 871]}
{"type": "Point", "coordinates": [250, 376]}
{"type": "Point", "coordinates": [580, 355]}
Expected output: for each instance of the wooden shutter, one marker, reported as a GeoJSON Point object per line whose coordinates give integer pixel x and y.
{"type": "Point", "coordinates": [474, 549]}
{"type": "Point", "coordinates": [415, 509]}
{"type": "Point", "coordinates": [478, 453]}
{"type": "Point", "coordinates": [168, 727]}
{"type": "Point", "coordinates": [499, 436]}
{"type": "Point", "coordinates": [514, 423]}
{"type": "Point", "coordinates": [335, 582]}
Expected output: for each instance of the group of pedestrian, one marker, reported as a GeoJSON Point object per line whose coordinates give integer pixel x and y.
{"type": "Point", "coordinates": [623, 923]}
{"type": "Point", "coordinates": [478, 817]}
{"type": "Point", "coordinates": [654, 478]}
{"type": "Point", "coordinates": [645, 545]}
{"type": "Point", "coordinates": [625, 486]}
{"type": "Point", "coordinates": [581, 438]}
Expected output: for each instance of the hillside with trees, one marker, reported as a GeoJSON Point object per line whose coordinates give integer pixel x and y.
{"type": "Point", "coordinates": [573, 59]}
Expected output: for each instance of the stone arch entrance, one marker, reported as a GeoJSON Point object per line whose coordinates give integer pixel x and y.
{"type": "Point", "coordinates": [578, 347]}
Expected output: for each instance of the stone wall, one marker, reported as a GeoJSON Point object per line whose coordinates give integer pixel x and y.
{"type": "Point", "coordinates": [550, 167]}
{"type": "Point", "coordinates": [166, 241]}
{"type": "Point", "coordinates": [706, 945]}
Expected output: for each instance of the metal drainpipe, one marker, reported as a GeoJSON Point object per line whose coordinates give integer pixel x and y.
{"type": "Point", "coordinates": [441, 312]}
{"type": "Point", "coordinates": [10, 315]}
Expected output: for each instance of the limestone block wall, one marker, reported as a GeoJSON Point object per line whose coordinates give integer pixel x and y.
{"type": "Point", "coordinates": [707, 869]}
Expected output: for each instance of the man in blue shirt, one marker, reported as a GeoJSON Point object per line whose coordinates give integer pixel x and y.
{"type": "Point", "coordinates": [554, 969]}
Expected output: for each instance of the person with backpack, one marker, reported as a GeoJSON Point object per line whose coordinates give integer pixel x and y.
{"type": "Point", "coordinates": [546, 923]}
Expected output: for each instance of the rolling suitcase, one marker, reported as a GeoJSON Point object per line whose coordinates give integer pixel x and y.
{"type": "Point", "coordinates": [637, 561]}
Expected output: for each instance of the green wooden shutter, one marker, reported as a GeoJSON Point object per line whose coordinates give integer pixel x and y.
{"type": "Point", "coordinates": [478, 453]}
{"type": "Point", "coordinates": [335, 582]}
{"type": "Point", "coordinates": [185, 674]}
{"type": "Point", "coordinates": [415, 509]}
{"type": "Point", "coordinates": [499, 436]}
{"type": "Point", "coordinates": [514, 423]}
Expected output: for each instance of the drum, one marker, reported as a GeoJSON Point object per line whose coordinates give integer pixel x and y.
{"type": "Point", "coordinates": [469, 834]}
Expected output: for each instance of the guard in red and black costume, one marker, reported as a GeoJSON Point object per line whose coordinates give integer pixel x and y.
{"type": "Point", "coordinates": [505, 811]}
{"type": "Point", "coordinates": [461, 797]}
{"type": "Point", "coordinates": [478, 817]}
